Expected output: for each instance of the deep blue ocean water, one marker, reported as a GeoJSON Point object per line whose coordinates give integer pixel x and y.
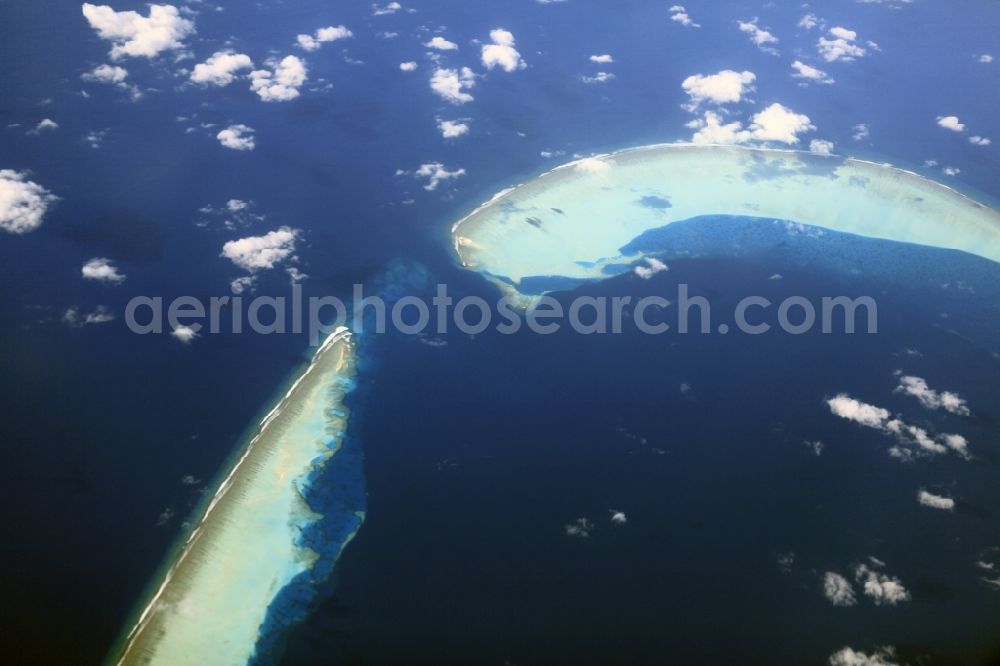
{"type": "Point", "coordinates": [100, 426]}
{"type": "Point", "coordinates": [479, 453]}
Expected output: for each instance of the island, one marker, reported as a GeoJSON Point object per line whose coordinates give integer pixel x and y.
{"type": "Point", "coordinates": [211, 603]}
{"type": "Point", "coordinates": [583, 220]}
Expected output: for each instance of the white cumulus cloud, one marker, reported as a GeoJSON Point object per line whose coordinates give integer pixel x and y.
{"type": "Point", "coordinates": [809, 21]}
{"type": "Point", "coordinates": [859, 412]}
{"type": "Point", "coordinates": [441, 44]}
{"type": "Point", "coordinates": [838, 590]}
{"type": "Point", "coordinates": [452, 84]}
{"type": "Point", "coordinates": [23, 203]}
{"type": "Point", "coordinates": [185, 334]}
{"type": "Point", "coordinates": [810, 73]}
{"type": "Point", "coordinates": [102, 270]}
{"type": "Point", "coordinates": [850, 657]}
{"type": "Point", "coordinates": [776, 123]}
{"type": "Point", "coordinates": [134, 35]}
{"type": "Point", "coordinates": [600, 77]}
{"type": "Point", "coordinates": [935, 501]}
{"type": "Point", "coordinates": [652, 267]}
{"type": "Point", "coordinates": [237, 137]}
{"type": "Point", "coordinates": [841, 46]}
{"type": "Point", "coordinates": [957, 443]}
{"type": "Point", "coordinates": [907, 435]}
{"type": "Point", "coordinates": [243, 284]}
{"type": "Point", "coordinates": [762, 38]}
{"type": "Point", "coordinates": [436, 173]}
{"type": "Point", "coordinates": [594, 165]}
{"type": "Point", "coordinates": [679, 14]}
{"type": "Point", "coordinates": [950, 123]}
{"type": "Point", "coordinates": [821, 147]}
{"type": "Point", "coordinates": [501, 53]}
{"type": "Point", "coordinates": [725, 87]}
{"type": "Point", "coordinates": [323, 35]}
{"type": "Point", "coordinates": [282, 82]}
{"type": "Point", "coordinates": [220, 68]}
{"type": "Point", "coordinates": [713, 131]}
{"type": "Point", "coordinates": [917, 387]}
{"type": "Point", "coordinates": [603, 59]}
{"type": "Point", "coordinates": [881, 588]}
{"type": "Point", "coordinates": [452, 129]}
{"type": "Point", "coordinates": [255, 253]}
{"type": "Point", "coordinates": [383, 10]}
{"type": "Point", "coordinates": [46, 124]}
{"type": "Point", "coordinates": [110, 74]}
{"type": "Point", "coordinates": [779, 123]}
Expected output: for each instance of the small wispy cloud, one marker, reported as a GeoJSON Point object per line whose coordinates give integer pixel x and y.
{"type": "Point", "coordinates": [935, 501]}
{"type": "Point", "coordinates": [581, 528]}
{"type": "Point", "coordinates": [838, 590]}
{"type": "Point", "coordinates": [917, 387]}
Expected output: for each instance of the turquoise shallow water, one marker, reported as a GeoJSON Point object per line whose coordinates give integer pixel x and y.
{"type": "Point", "coordinates": [579, 220]}
{"type": "Point", "coordinates": [336, 493]}
{"type": "Point", "coordinates": [238, 569]}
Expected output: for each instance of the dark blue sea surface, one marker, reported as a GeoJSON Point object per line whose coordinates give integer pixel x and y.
{"type": "Point", "coordinates": [480, 452]}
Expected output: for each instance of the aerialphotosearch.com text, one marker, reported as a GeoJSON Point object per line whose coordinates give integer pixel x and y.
{"type": "Point", "coordinates": [413, 315]}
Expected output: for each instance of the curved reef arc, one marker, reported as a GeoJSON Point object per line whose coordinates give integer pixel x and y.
{"type": "Point", "coordinates": [577, 220]}
{"type": "Point", "coordinates": [214, 596]}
